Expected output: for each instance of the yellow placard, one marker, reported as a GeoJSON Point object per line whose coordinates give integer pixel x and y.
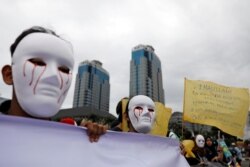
{"type": "Point", "coordinates": [160, 127]}
{"type": "Point", "coordinates": [216, 105]}
{"type": "Point", "coordinates": [163, 115]}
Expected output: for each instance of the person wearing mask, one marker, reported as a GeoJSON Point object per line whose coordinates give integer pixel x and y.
{"type": "Point", "coordinates": [40, 74]}
{"type": "Point", "coordinates": [210, 150]}
{"type": "Point", "coordinates": [198, 151]}
{"type": "Point", "coordinates": [140, 115]}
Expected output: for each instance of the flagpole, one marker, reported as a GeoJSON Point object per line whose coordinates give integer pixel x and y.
{"type": "Point", "coordinates": [182, 125]}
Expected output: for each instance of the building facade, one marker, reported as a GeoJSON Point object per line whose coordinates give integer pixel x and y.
{"type": "Point", "coordinates": [92, 88]}
{"type": "Point", "coordinates": [146, 74]}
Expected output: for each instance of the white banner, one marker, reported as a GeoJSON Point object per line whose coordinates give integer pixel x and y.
{"type": "Point", "coordinates": [28, 142]}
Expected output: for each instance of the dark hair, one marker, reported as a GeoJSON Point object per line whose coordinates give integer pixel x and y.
{"type": "Point", "coordinates": [34, 29]}
{"type": "Point", "coordinates": [126, 108]}
{"type": "Point", "coordinates": [119, 109]}
{"type": "Point", "coordinates": [119, 113]}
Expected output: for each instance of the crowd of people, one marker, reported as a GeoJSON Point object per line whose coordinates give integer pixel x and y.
{"type": "Point", "coordinates": [214, 152]}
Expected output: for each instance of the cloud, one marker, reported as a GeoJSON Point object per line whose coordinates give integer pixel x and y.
{"type": "Point", "coordinates": [206, 40]}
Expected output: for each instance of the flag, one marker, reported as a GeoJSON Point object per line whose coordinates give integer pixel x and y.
{"type": "Point", "coordinates": [163, 115]}
{"type": "Point", "coordinates": [216, 105]}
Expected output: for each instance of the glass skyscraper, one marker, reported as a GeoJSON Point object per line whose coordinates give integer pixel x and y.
{"type": "Point", "coordinates": [92, 86]}
{"type": "Point", "coordinates": [146, 74]}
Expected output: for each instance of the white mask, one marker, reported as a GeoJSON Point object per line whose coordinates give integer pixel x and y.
{"type": "Point", "coordinates": [141, 110]}
{"type": "Point", "coordinates": [42, 67]}
{"type": "Point", "coordinates": [200, 141]}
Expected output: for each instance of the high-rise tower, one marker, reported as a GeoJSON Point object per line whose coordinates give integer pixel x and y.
{"type": "Point", "coordinates": [92, 86]}
{"type": "Point", "coordinates": [146, 74]}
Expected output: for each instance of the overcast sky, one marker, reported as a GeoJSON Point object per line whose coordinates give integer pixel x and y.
{"type": "Point", "coordinates": [200, 40]}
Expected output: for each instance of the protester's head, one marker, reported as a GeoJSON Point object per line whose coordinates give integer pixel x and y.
{"type": "Point", "coordinates": [141, 113]}
{"type": "Point", "coordinates": [209, 141]}
{"type": "Point", "coordinates": [199, 141]}
{"type": "Point", "coordinates": [41, 72]}
{"type": "Point", "coordinates": [119, 112]}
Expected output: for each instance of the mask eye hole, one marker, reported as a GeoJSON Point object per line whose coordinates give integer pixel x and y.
{"type": "Point", "coordinates": [138, 108]}
{"type": "Point", "coordinates": [64, 69]}
{"type": "Point", "coordinates": [151, 110]}
{"type": "Point", "coordinates": [37, 62]}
